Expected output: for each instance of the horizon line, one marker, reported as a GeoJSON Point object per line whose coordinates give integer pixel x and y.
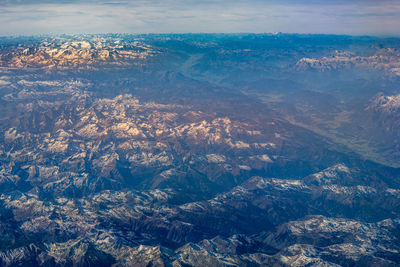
{"type": "Point", "coordinates": [385, 36]}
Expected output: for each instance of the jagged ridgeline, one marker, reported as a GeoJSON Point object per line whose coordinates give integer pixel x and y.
{"type": "Point", "coordinates": [199, 150]}
{"type": "Point", "coordinates": [65, 52]}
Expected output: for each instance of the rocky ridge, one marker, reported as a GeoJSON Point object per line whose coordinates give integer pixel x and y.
{"type": "Point", "coordinates": [384, 59]}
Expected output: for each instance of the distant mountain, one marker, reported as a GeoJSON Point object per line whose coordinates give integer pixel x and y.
{"type": "Point", "coordinates": [69, 52]}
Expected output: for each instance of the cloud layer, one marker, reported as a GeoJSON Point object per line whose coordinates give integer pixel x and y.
{"type": "Point", "coordinates": [26, 17]}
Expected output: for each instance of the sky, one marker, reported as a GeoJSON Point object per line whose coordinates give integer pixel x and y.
{"type": "Point", "coordinates": [353, 17]}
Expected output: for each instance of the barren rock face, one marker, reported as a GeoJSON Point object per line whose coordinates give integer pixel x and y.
{"type": "Point", "coordinates": [199, 150]}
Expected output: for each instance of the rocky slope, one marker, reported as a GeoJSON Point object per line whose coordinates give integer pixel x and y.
{"type": "Point", "coordinates": [125, 227]}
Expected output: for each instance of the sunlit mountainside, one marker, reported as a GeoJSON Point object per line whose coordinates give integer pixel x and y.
{"type": "Point", "coordinates": [199, 150]}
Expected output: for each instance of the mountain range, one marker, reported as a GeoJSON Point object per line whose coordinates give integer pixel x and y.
{"type": "Point", "coordinates": [199, 150]}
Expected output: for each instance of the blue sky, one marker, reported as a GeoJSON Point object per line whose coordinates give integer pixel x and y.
{"type": "Point", "coordinates": [357, 17]}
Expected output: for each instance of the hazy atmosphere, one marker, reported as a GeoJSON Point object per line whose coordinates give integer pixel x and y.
{"type": "Point", "coordinates": [26, 17]}
{"type": "Point", "coordinates": [199, 133]}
